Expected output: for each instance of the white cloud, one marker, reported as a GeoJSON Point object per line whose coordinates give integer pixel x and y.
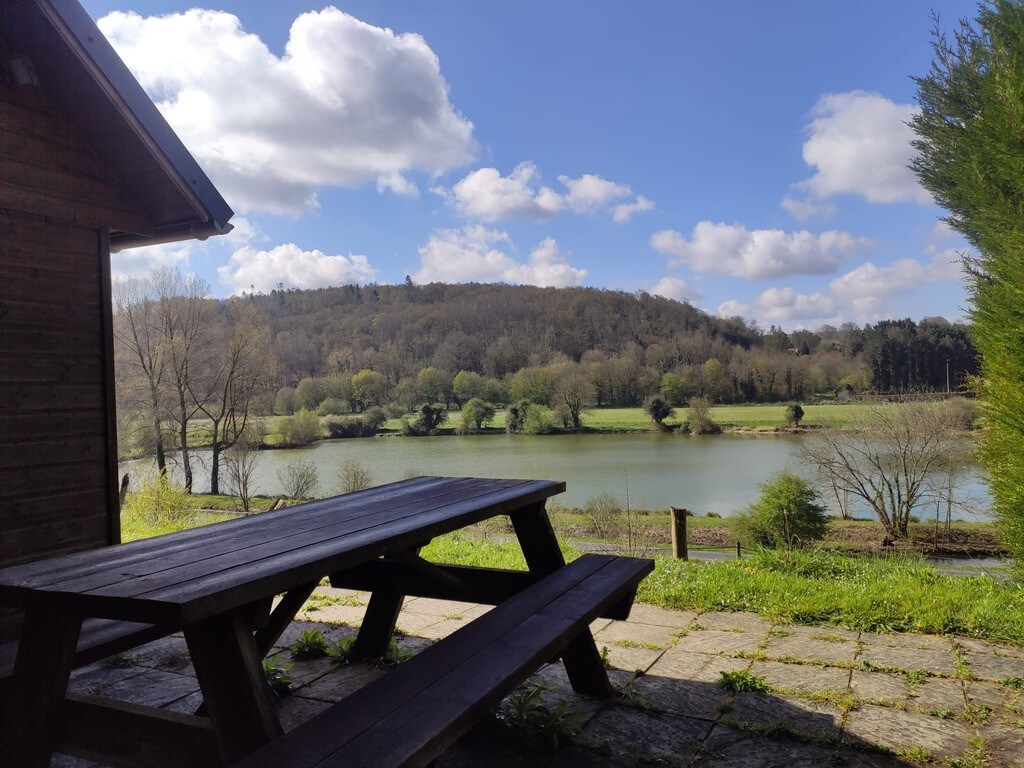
{"type": "Point", "coordinates": [733, 308]}
{"type": "Point", "coordinates": [348, 103]}
{"type": "Point", "coordinates": [476, 254]}
{"type": "Point", "coordinates": [487, 195]}
{"type": "Point", "coordinates": [865, 294]}
{"type": "Point", "coordinates": [546, 266]}
{"type": "Point", "coordinates": [292, 267]}
{"type": "Point", "coordinates": [590, 192]}
{"type": "Point", "coordinates": [621, 214]}
{"type": "Point", "coordinates": [675, 288]}
{"type": "Point", "coordinates": [801, 210]}
{"type": "Point", "coordinates": [140, 262]}
{"type": "Point", "coordinates": [732, 249]}
{"type": "Point", "coordinates": [394, 181]}
{"type": "Point", "coordinates": [859, 143]}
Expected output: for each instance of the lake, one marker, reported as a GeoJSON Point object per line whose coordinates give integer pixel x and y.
{"type": "Point", "coordinates": [718, 473]}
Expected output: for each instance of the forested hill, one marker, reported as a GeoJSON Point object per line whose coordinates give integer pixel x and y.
{"type": "Point", "coordinates": [498, 330]}
{"type": "Point", "coordinates": [488, 328]}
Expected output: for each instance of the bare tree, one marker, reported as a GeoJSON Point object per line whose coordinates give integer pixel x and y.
{"type": "Point", "coordinates": [183, 310]}
{"type": "Point", "coordinates": [138, 335]}
{"type": "Point", "coordinates": [235, 365]}
{"type": "Point", "coordinates": [240, 460]}
{"type": "Point", "coordinates": [891, 460]}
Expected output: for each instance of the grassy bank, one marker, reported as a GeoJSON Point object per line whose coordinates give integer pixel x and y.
{"type": "Point", "coordinates": [878, 594]}
{"type": "Point", "coordinates": [890, 594]}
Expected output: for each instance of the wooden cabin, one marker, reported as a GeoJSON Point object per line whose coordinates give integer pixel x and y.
{"type": "Point", "coordinates": [87, 166]}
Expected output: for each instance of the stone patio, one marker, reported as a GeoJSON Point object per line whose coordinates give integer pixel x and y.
{"type": "Point", "coordinates": [837, 698]}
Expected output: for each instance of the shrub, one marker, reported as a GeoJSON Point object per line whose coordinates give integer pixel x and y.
{"type": "Point", "coordinates": [515, 416]}
{"type": "Point", "coordinates": [161, 502]}
{"type": "Point", "coordinates": [602, 513]}
{"type": "Point", "coordinates": [299, 480]}
{"type": "Point", "coordinates": [374, 418]}
{"type": "Point", "coordinates": [794, 414]}
{"type": "Point", "coordinates": [788, 513]}
{"type": "Point", "coordinates": [700, 420]}
{"type": "Point", "coordinates": [658, 409]}
{"type": "Point", "coordinates": [301, 428]}
{"type": "Point", "coordinates": [343, 426]}
{"type": "Point", "coordinates": [537, 420]}
{"type": "Point", "coordinates": [428, 419]}
{"type": "Point", "coordinates": [332, 406]}
{"type": "Point", "coordinates": [353, 477]}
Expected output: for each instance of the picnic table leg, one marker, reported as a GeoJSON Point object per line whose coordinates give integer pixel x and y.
{"type": "Point", "coordinates": [582, 661]}
{"type": "Point", "coordinates": [35, 695]}
{"type": "Point", "coordinates": [230, 673]}
{"type": "Point", "coordinates": [378, 623]}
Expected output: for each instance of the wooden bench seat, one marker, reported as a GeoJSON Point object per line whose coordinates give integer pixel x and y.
{"type": "Point", "coordinates": [99, 639]}
{"type": "Point", "coordinates": [414, 712]}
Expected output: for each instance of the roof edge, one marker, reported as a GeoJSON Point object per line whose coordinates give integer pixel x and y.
{"type": "Point", "coordinates": [111, 74]}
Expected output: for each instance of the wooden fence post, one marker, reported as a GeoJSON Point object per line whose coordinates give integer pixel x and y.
{"type": "Point", "coordinates": [679, 533]}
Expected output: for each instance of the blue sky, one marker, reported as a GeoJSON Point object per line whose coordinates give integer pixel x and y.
{"type": "Point", "coordinates": [748, 157]}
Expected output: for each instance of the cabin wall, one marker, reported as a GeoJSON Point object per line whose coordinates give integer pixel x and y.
{"type": "Point", "coordinates": [57, 422]}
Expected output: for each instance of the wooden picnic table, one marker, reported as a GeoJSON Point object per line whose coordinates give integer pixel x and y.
{"type": "Point", "coordinates": [217, 585]}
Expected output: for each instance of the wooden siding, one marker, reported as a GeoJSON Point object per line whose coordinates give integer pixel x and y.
{"type": "Point", "coordinates": [57, 459]}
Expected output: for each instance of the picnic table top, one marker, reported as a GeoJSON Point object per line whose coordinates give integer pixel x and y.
{"type": "Point", "coordinates": [183, 577]}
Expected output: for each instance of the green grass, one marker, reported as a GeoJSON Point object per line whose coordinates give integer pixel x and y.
{"type": "Point", "coordinates": [892, 594]}
{"type": "Point", "coordinates": [895, 594]}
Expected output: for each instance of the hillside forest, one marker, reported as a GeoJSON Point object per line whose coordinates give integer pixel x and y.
{"type": "Point", "coordinates": [183, 356]}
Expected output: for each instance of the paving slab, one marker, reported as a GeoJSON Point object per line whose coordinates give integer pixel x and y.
{"type": "Point", "coordinates": [341, 682]}
{"type": "Point", "coordinates": [653, 636]}
{"type": "Point", "coordinates": [894, 729]}
{"type": "Point", "coordinates": [938, 662]}
{"type": "Point", "coordinates": [693, 698]}
{"type": "Point", "coordinates": [95, 676]}
{"type": "Point", "coordinates": [879, 687]}
{"type": "Point", "coordinates": [809, 649]}
{"type": "Point", "coordinates": [813, 720]}
{"type": "Point", "coordinates": [728, 747]}
{"type": "Point", "coordinates": [937, 694]}
{"type": "Point", "coordinates": [1006, 704]}
{"type": "Point", "coordinates": [335, 614]}
{"type": "Point", "coordinates": [907, 640]}
{"type": "Point", "coordinates": [295, 710]}
{"type": "Point", "coordinates": [742, 621]}
{"type": "Point", "coordinates": [663, 617]}
{"type": "Point", "coordinates": [553, 677]}
{"type": "Point", "coordinates": [153, 688]}
{"type": "Point", "coordinates": [1005, 744]}
{"type": "Point", "coordinates": [801, 678]}
{"type": "Point", "coordinates": [829, 634]}
{"type": "Point", "coordinates": [619, 730]}
{"type": "Point", "coordinates": [716, 641]}
{"type": "Point", "coordinates": [629, 658]}
{"type": "Point", "coordinates": [684, 665]}
{"type": "Point", "coordinates": [991, 667]}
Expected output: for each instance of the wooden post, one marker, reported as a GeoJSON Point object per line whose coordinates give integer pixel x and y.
{"type": "Point", "coordinates": [739, 551]}
{"type": "Point", "coordinates": [679, 533]}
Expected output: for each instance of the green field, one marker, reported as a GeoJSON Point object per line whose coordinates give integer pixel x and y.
{"type": "Point", "coordinates": [729, 416]}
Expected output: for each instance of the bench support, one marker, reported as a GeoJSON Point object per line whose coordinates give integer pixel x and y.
{"type": "Point", "coordinates": [230, 672]}
{"type": "Point", "coordinates": [31, 715]}
{"type": "Point", "coordinates": [582, 661]}
{"type": "Point", "coordinates": [379, 621]}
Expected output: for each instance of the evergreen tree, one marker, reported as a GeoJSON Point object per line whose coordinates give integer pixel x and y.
{"type": "Point", "coordinates": [971, 158]}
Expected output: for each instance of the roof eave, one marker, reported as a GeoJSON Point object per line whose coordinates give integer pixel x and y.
{"type": "Point", "coordinates": [111, 74]}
